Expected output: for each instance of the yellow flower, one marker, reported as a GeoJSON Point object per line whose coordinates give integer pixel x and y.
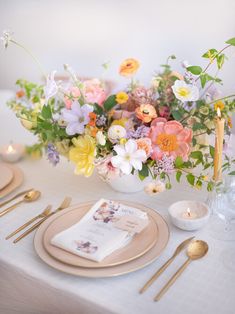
{"type": "Point", "coordinates": [219, 104]}
{"type": "Point", "coordinates": [123, 141]}
{"type": "Point", "coordinates": [121, 98]}
{"type": "Point", "coordinates": [121, 122]}
{"type": "Point", "coordinates": [83, 154]}
{"type": "Point", "coordinates": [129, 67]}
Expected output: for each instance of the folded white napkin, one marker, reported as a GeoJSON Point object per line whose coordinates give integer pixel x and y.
{"type": "Point", "coordinates": [95, 236]}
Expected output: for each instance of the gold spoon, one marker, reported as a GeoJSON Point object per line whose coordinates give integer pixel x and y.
{"type": "Point", "coordinates": [178, 250]}
{"type": "Point", "coordinates": [43, 214]}
{"type": "Point", "coordinates": [29, 197]}
{"type": "Point", "coordinates": [197, 249]}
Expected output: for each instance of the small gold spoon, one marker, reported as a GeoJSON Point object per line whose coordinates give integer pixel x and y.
{"type": "Point", "coordinates": [29, 197]}
{"type": "Point", "coordinates": [197, 249]}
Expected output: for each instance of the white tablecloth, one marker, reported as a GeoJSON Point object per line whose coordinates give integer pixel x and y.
{"type": "Point", "coordinates": [28, 286]}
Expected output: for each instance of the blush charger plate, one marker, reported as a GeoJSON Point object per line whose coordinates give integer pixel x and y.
{"type": "Point", "coordinates": [138, 246]}
{"type": "Point", "coordinates": [127, 267]}
{"type": "Point", "coordinates": [6, 175]}
{"type": "Point", "coordinates": [17, 180]}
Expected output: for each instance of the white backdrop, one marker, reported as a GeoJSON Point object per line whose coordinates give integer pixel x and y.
{"type": "Point", "coordinates": [85, 34]}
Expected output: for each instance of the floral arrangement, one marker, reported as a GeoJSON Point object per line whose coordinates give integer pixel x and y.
{"type": "Point", "coordinates": [154, 131]}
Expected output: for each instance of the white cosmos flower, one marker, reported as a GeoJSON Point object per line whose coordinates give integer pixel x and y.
{"type": "Point", "coordinates": [116, 132]}
{"type": "Point", "coordinates": [185, 92]}
{"type": "Point", "coordinates": [51, 87]}
{"type": "Point", "coordinates": [100, 137]}
{"type": "Point", "coordinates": [128, 157]}
{"type": "Point", "coordinates": [155, 187]}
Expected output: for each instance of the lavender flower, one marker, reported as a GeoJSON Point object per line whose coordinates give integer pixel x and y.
{"type": "Point", "coordinates": [101, 120]}
{"type": "Point", "coordinates": [141, 131]}
{"type": "Point", "coordinates": [52, 154]}
{"type": "Point", "coordinates": [166, 164]}
{"type": "Point", "coordinates": [76, 117]}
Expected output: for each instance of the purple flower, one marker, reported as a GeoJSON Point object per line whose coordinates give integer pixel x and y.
{"type": "Point", "coordinates": [166, 164]}
{"type": "Point", "coordinates": [76, 117]}
{"type": "Point", "coordinates": [52, 154]}
{"type": "Point", "coordinates": [141, 131]}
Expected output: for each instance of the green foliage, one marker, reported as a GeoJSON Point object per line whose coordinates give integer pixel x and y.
{"type": "Point", "coordinates": [178, 176]}
{"type": "Point", "coordinates": [231, 41]}
{"type": "Point", "coordinates": [144, 172]}
{"type": "Point", "coordinates": [46, 112]}
{"type": "Point", "coordinates": [212, 151]}
{"type": "Point", "coordinates": [191, 179]}
{"type": "Point", "coordinates": [196, 70]}
{"type": "Point", "coordinates": [179, 162]}
{"type": "Point", "coordinates": [110, 103]}
{"type": "Point", "coordinates": [232, 173]}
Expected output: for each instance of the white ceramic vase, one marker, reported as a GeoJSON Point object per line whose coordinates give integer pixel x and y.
{"type": "Point", "coordinates": [128, 183]}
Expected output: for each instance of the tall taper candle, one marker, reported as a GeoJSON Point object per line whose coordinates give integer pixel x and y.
{"type": "Point", "coordinates": [219, 137]}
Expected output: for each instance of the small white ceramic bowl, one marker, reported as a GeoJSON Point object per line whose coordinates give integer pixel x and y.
{"type": "Point", "coordinates": [199, 215]}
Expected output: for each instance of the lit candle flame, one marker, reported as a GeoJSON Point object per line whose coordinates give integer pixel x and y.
{"type": "Point", "coordinates": [188, 212]}
{"type": "Point", "coordinates": [10, 149]}
{"type": "Point", "coordinates": [218, 112]}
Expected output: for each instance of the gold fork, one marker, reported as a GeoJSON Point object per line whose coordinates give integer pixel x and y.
{"type": "Point", "coordinates": [45, 213]}
{"type": "Point", "coordinates": [66, 202]}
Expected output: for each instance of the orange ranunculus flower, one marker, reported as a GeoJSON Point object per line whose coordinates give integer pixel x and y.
{"type": "Point", "coordinates": [146, 113]}
{"type": "Point", "coordinates": [129, 67]}
{"type": "Point", "coordinates": [92, 117]}
{"type": "Point", "coordinates": [20, 94]}
{"type": "Point", "coordinates": [145, 143]}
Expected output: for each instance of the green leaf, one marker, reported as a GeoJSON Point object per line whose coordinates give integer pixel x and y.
{"type": "Point", "coordinates": [210, 54]}
{"type": "Point", "coordinates": [190, 178]}
{"type": "Point", "coordinates": [212, 151]}
{"type": "Point", "coordinates": [98, 109]}
{"type": "Point", "coordinates": [204, 78]}
{"type": "Point", "coordinates": [196, 70]}
{"type": "Point", "coordinates": [168, 185]}
{"type": "Point", "coordinates": [144, 172]}
{"type": "Point", "coordinates": [197, 155]}
{"type": "Point", "coordinates": [210, 186]}
{"type": "Point", "coordinates": [46, 112]}
{"type": "Point", "coordinates": [198, 126]}
{"type": "Point", "coordinates": [231, 41]}
{"type": "Point", "coordinates": [110, 102]}
{"type": "Point", "coordinates": [220, 60]}
{"type": "Point", "coordinates": [179, 162]}
{"type": "Point", "coordinates": [178, 176]}
{"type": "Point", "coordinates": [232, 173]}
{"type": "Point", "coordinates": [176, 115]}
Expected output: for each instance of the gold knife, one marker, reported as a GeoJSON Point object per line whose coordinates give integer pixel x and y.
{"type": "Point", "coordinates": [164, 266]}
{"type": "Point", "coordinates": [66, 202]}
{"type": "Point", "coordinates": [14, 197]}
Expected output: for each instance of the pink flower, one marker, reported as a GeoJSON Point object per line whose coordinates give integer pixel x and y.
{"type": "Point", "coordinates": [170, 138]}
{"type": "Point", "coordinates": [72, 94]}
{"type": "Point", "coordinates": [94, 92]}
{"type": "Point", "coordinates": [106, 170]}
